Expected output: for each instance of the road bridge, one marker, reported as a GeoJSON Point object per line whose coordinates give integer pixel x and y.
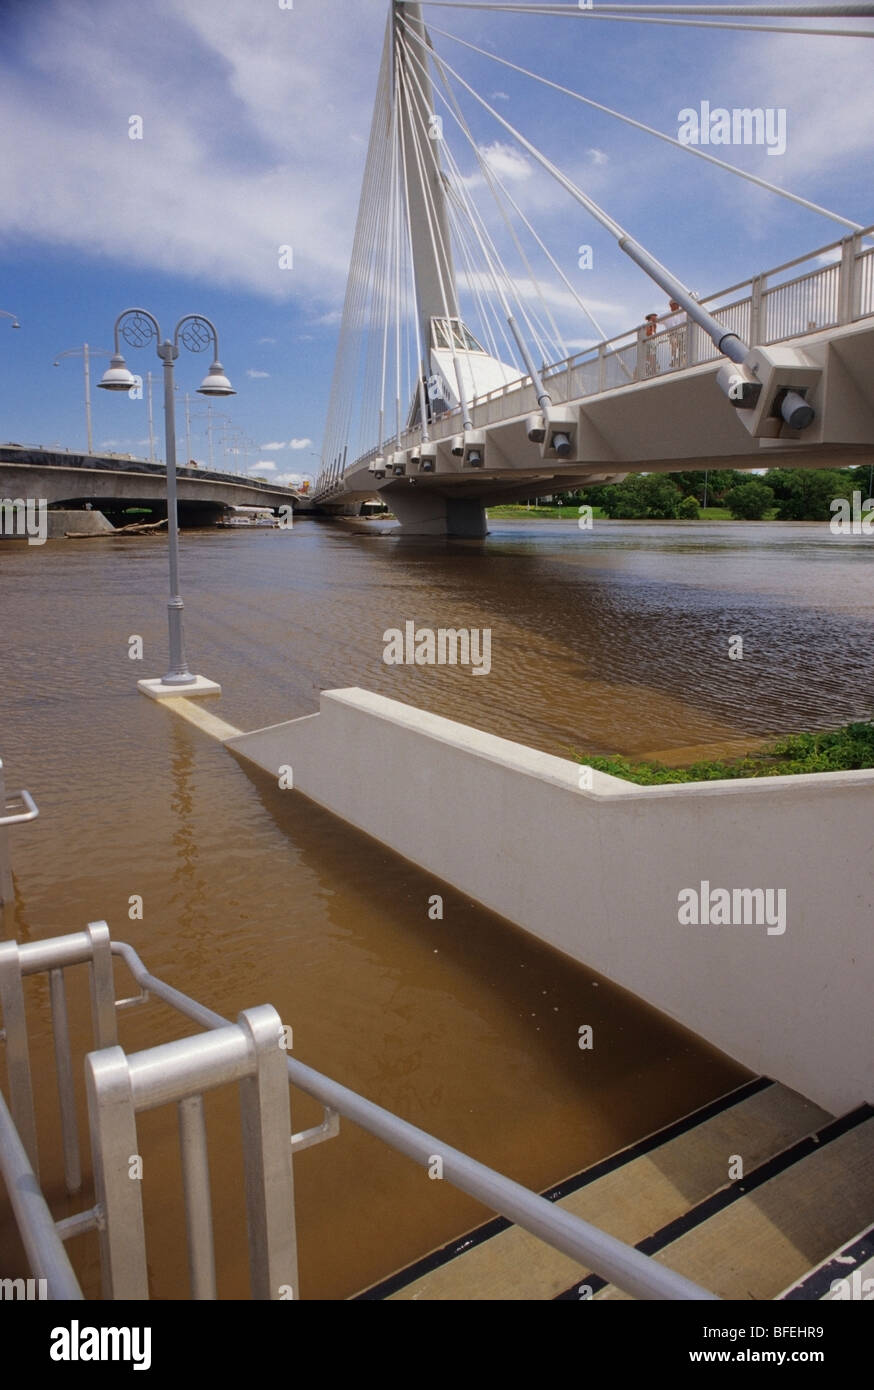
{"type": "Point", "coordinates": [113, 482]}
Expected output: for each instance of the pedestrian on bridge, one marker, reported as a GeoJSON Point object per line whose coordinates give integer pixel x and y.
{"type": "Point", "coordinates": [675, 325]}
{"type": "Point", "coordinates": [651, 329]}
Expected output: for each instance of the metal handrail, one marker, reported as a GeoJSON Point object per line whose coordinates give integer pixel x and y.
{"type": "Point", "coordinates": [179, 1071]}
{"type": "Point", "coordinates": [30, 814]}
{"type": "Point", "coordinates": [43, 1246]}
{"type": "Point", "coordinates": [7, 890]}
{"type": "Point", "coordinates": [594, 1249]}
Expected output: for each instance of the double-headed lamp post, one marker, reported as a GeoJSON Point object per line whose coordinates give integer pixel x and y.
{"type": "Point", "coordinates": [196, 333]}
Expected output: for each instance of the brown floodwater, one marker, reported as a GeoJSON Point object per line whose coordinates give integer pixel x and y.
{"type": "Point", "coordinates": [614, 640]}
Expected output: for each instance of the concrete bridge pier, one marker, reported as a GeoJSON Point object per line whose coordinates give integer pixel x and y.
{"type": "Point", "coordinates": [427, 513]}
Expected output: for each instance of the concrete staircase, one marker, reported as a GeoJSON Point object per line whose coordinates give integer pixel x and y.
{"type": "Point", "coordinates": [807, 1188]}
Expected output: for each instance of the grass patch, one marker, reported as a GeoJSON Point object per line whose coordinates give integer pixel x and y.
{"type": "Point", "coordinates": [512, 512]}
{"type": "Point", "coordinates": [839, 750]}
{"type": "Point", "coordinates": [519, 512]}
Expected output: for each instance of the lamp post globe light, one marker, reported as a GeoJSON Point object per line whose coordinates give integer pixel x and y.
{"type": "Point", "coordinates": [138, 328]}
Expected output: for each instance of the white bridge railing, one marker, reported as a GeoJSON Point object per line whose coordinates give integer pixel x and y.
{"type": "Point", "coordinates": [250, 1054]}
{"type": "Point", "coordinates": [836, 288]}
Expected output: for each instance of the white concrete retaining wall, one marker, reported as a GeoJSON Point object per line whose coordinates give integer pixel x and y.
{"type": "Point", "coordinates": [597, 873]}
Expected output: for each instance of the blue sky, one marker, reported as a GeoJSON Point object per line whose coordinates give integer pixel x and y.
{"type": "Point", "coordinates": [255, 127]}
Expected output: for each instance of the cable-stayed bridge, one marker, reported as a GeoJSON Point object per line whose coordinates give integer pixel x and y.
{"type": "Point", "coordinates": [454, 387]}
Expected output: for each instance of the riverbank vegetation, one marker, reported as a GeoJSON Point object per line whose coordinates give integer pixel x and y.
{"type": "Point", "coordinates": [780, 494]}
{"type": "Point", "coordinates": [839, 750]}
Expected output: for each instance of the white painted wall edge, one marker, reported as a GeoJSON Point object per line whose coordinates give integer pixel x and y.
{"type": "Point", "coordinates": [598, 873]}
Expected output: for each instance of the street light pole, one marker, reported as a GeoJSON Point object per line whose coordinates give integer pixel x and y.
{"type": "Point", "coordinates": [151, 418]}
{"type": "Point", "coordinates": [178, 673]}
{"type": "Point", "coordinates": [139, 327]}
{"type": "Point", "coordinates": [209, 435]}
{"type": "Point", "coordinates": [86, 350]}
{"type": "Point", "coordinates": [88, 430]}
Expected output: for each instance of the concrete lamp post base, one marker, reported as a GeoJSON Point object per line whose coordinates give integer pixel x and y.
{"type": "Point", "coordinates": [160, 690]}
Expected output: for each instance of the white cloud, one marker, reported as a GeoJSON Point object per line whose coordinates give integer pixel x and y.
{"type": "Point", "coordinates": [266, 340]}
{"type": "Point", "coordinates": [255, 374]}
{"type": "Point", "coordinates": [598, 156]}
{"type": "Point", "coordinates": [274, 444]}
{"type": "Point", "coordinates": [209, 199]}
{"type": "Point", "coordinates": [506, 161]}
{"type": "Point", "coordinates": [500, 96]}
{"type": "Point", "coordinates": [263, 466]}
{"type": "Point", "coordinates": [299, 443]}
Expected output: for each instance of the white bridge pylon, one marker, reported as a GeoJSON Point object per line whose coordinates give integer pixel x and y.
{"type": "Point", "coordinates": [454, 388]}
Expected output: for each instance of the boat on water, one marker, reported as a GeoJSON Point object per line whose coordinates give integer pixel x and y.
{"type": "Point", "coordinates": [249, 516]}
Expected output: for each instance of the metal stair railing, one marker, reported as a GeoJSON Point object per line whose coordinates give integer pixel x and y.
{"type": "Point", "coordinates": [249, 1052]}
{"type": "Point", "coordinates": [10, 815]}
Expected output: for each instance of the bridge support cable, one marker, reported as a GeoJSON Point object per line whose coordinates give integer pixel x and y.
{"type": "Point", "coordinates": [376, 303]}
{"type": "Point", "coordinates": [396, 239]}
{"type": "Point", "coordinates": [420, 346]}
{"type": "Point", "coordinates": [491, 255]}
{"type": "Point", "coordinates": [485, 244]}
{"type": "Point", "coordinates": [659, 134]}
{"type": "Point", "coordinates": [490, 321]}
{"type": "Point", "coordinates": [494, 180]}
{"type": "Point", "coordinates": [660, 14]}
{"type": "Point", "coordinates": [488, 248]}
{"type": "Point", "coordinates": [366, 299]}
{"type": "Point", "coordinates": [386, 316]}
{"type": "Point", "coordinates": [493, 183]}
{"type": "Point", "coordinates": [729, 344]}
{"type": "Point", "coordinates": [440, 255]}
{"type": "Point", "coordinates": [854, 11]}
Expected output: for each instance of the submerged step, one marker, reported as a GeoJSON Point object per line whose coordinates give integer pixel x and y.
{"type": "Point", "coordinates": [757, 1245]}
{"type": "Point", "coordinates": [630, 1195]}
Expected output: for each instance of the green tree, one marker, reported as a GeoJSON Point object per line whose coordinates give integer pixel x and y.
{"type": "Point", "coordinates": [749, 501]}
{"type": "Point", "coordinates": [807, 493]}
{"type": "Point", "coordinates": [688, 509]}
{"type": "Point", "coordinates": [691, 484]}
{"type": "Point", "coordinates": [722, 480]}
{"type": "Point", "coordinates": [641, 497]}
